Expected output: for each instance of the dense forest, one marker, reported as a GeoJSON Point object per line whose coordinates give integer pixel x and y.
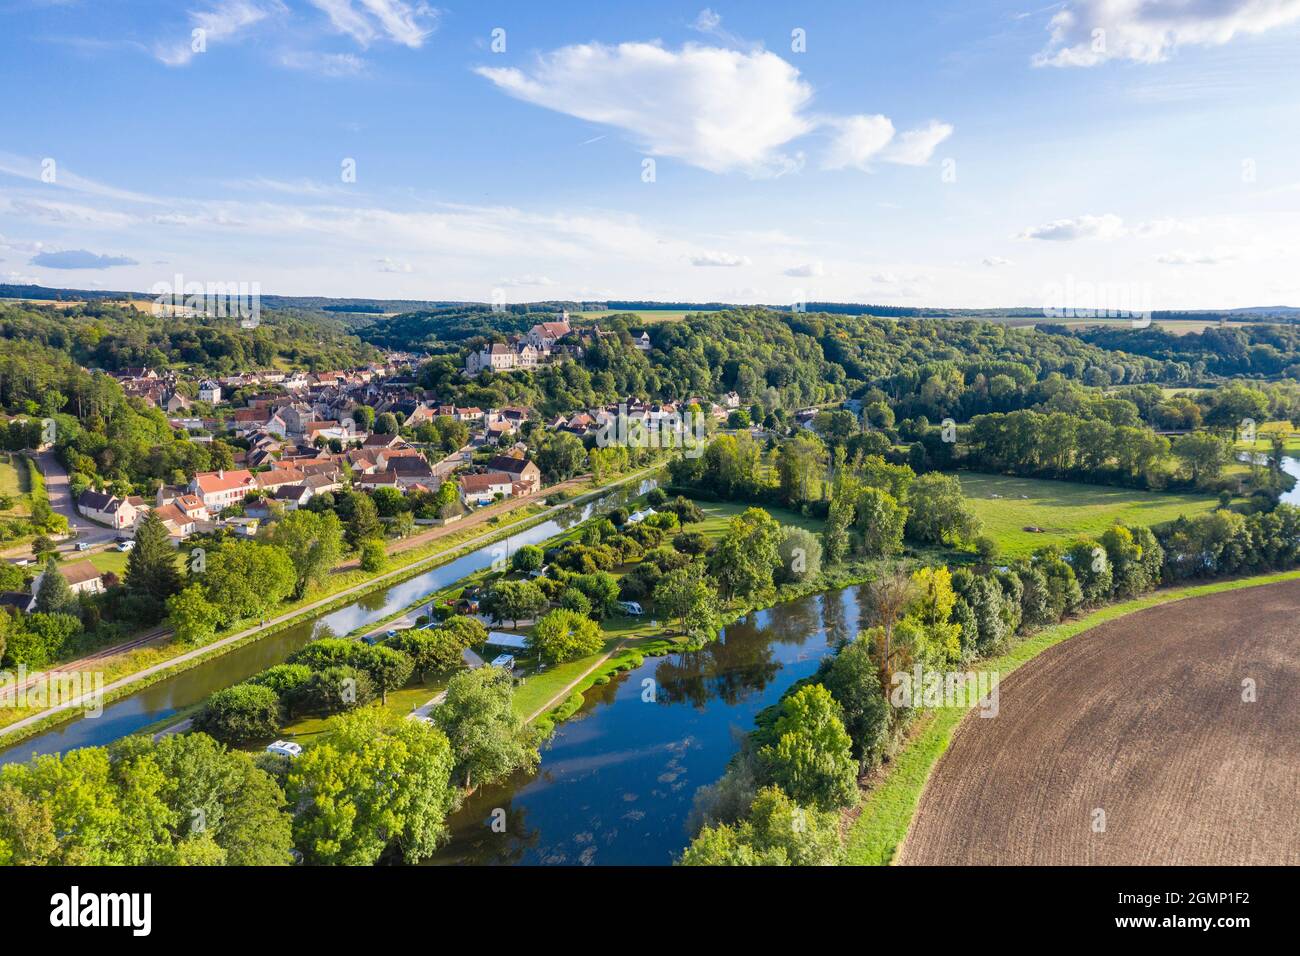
{"type": "Point", "coordinates": [111, 336]}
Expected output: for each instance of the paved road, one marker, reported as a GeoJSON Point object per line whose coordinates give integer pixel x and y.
{"type": "Point", "coordinates": [56, 488]}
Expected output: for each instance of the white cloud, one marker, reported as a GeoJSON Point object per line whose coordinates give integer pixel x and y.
{"type": "Point", "coordinates": [404, 23]}
{"type": "Point", "coordinates": [527, 281]}
{"type": "Point", "coordinates": [723, 259]}
{"type": "Point", "coordinates": [1089, 32]}
{"type": "Point", "coordinates": [1180, 258]}
{"type": "Point", "coordinates": [858, 140]}
{"type": "Point", "coordinates": [721, 110]}
{"type": "Point", "coordinates": [1108, 226]}
{"type": "Point", "coordinates": [915, 146]}
{"type": "Point", "coordinates": [994, 262]}
{"type": "Point", "coordinates": [323, 64]}
{"type": "Point", "coordinates": [392, 265]}
{"type": "Point", "coordinates": [807, 271]}
{"type": "Point", "coordinates": [225, 20]}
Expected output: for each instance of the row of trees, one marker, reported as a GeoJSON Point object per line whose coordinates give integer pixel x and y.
{"type": "Point", "coordinates": [809, 750]}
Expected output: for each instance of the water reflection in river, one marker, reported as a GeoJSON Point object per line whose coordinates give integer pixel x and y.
{"type": "Point", "coordinates": [617, 782]}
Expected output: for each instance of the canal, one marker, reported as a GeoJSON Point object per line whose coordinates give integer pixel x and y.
{"type": "Point", "coordinates": [165, 698]}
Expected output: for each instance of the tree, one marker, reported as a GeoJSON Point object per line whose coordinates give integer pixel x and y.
{"type": "Point", "coordinates": [889, 595]}
{"type": "Point", "coordinates": [375, 781]}
{"type": "Point", "coordinates": [812, 757]}
{"type": "Point", "coordinates": [388, 667]}
{"type": "Point", "coordinates": [192, 616]}
{"type": "Point", "coordinates": [53, 595]}
{"type": "Point", "coordinates": [513, 600]}
{"type": "Point", "coordinates": [560, 456]}
{"type": "Point", "coordinates": [938, 511]}
{"type": "Point", "coordinates": [1203, 455]}
{"type": "Point", "coordinates": [852, 678]}
{"type": "Point", "coordinates": [364, 416]}
{"type": "Point", "coordinates": [881, 521]}
{"type": "Point", "coordinates": [778, 832]}
{"type": "Point", "coordinates": [527, 559]}
{"type": "Point", "coordinates": [386, 424]}
{"type": "Point", "coordinates": [151, 573]}
{"type": "Point", "coordinates": [931, 605]}
{"type": "Point", "coordinates": [680, 593]}
{"type": "Point", "coordinates": [246, 579]}
{"type": "Point", "coordinates": [225, 809]}
{"type": "Point", "coordinates": [364, 523]}
{"type": "Point", "coordinates": [488, 740]}
{"type": "Point", "coordinates": [800, 466]}
{"type": "Point", "coordinates": [374, 557]}
{"type": "Point", "coordinates": [313, 542]}
{"type": "Point", "coordinates": [565, 635]}
{"type": "Point", "coordinates": [240, 714]}
{"type": "Point", "coordinates": [746, 557]}
{"type": "Point", "coordinates": [430, 651]}
{"type": "Point", "coordinates": [799, 554]}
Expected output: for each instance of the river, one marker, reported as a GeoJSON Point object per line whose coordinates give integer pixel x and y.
{"type": "Point", "coordinates": [165, 698]}
{"type": "Point", "coordinates": [617, 780]}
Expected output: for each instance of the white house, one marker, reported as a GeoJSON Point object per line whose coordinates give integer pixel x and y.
{"type": "Point", "coordinates": [107, 509]}
{"type": "Point", "coordinates": [209, 391]}
{"type": "Point", "coordinates": [82, 577]}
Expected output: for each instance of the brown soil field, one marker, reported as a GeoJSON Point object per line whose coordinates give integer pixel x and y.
{"type": "Point", "coordinates": [1143, 718]}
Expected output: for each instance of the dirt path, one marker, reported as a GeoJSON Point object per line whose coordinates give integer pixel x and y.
{"type": "Point", "coordinates": [568, 688]}
{"type": "Point", "coordinates": [1142, 719]}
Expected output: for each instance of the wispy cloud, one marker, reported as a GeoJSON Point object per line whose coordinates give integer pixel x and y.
{"type": "Point", "coordinates": [717, 259]}
{"type": "Point", "coordinates": [223, 21]}
{"type": "Point", "coordinates": [370, 20]}
{"type": "Point", "coordinates": [323, 64]}
{"type": "Point", "coordinates": [1091, 32]}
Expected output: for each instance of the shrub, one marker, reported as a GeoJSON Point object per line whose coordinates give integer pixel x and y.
{"type": "Point", "coordinates": [239, 714]}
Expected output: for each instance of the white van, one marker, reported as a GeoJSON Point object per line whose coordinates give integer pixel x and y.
{"type": "Point", "coordinates": [504, 661]}
{"type": "Point", "coordinates": [631, 607]}
{"type": "Point", "coordinates": [285, 748]}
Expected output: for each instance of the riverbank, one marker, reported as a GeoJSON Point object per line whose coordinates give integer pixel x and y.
{"type": "Point", "coordinates": [24, 727]}
{"type": "Point", "coordinates": [885, 811]}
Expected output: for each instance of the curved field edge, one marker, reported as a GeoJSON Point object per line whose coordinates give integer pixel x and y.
{"type": "Point", "coordinates": [885, 811]}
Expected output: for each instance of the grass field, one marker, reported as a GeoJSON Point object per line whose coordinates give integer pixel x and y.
{"type": "Point", "coordinates": [649, 316]}
{"type": "Point", "coordinates": [15, 482]}
{"type": "Point", "coordinates": [1065, 509]}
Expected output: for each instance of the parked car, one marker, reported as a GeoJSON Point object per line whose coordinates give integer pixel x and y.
{"type": "Point", "coordinates": [631, 607]}
{"type": "Point", "coordinates": [504, 661]}
{"type": "Point", "coordinates": [285, 748]}
{"type": "Point", "coordinates": [83, 545]}
{"type": "Point", "coordinates": [125, 545]}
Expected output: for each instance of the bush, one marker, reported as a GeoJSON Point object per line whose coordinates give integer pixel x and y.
{"type": "Point", "coordinates": [282, 678]}
{"type": "Point", "coordinates": [332, 690]}
{"type": "Point", "coordinates": [373, 557]}
{"type": "Point", "coordinates": [240, 714]}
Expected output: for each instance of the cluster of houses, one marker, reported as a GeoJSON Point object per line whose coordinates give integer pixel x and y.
{"type": "Point", "coordinates": [545, 342]}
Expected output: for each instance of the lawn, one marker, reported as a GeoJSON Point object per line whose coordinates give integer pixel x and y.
{"type": "Point", "coordinates": [649, 316]}
{"type": "Point", "coordinates": [15, 482]}
{"type": "Point", "coordinates": [1066, 509]}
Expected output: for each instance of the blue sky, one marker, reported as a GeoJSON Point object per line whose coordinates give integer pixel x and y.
{"type": "Point", "coordinates": [940, 153]}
